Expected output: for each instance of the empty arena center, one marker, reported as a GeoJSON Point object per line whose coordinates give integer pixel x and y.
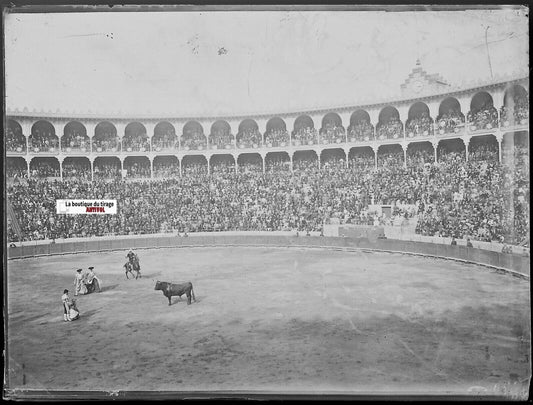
{"type": "Point", "coordinates": [378, 246]}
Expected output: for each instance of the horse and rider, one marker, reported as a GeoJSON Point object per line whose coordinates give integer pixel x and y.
{"type": "Point", "coordinates": [132, 264]}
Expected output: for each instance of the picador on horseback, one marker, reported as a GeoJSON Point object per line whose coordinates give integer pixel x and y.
{"type": "Point", "coordinates": [132, 264]}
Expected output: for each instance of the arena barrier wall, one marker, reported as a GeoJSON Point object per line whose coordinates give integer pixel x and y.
{"type": "Point", "coordinates": [514, 263]}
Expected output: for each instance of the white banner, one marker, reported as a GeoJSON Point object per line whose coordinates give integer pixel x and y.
{"type": "Point", "coordinates": [86, 206]}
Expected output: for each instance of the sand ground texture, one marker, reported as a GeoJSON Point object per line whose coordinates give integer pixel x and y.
{"type": "Point", "coordinates": [276, 320]}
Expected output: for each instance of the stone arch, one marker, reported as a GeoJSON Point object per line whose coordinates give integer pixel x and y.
{"type": "Point", "coordinates": [193, 137]}
{"type": "Point", "coordinates": [360, 128]}
{"type": "Point", "coordinates": [389, 124]}
{"type": "Point", "coordinates": [482, 114]}
{"type": "Point", "coordinates": [165, 137]}
{"type": "Point", "coordinates": [136, 138]}
{"type": "Point", "coordinates": [248, 135]}
{"type": "Point", "coordinates": [450, 119]}
{"type": "Point", "coordinates": [220, 136]}
{"type": "Point", "coordinates": [105, 138]}
{"type": "Point", "coordinates": [276, 133]}
{"type": "Point", "coordinates": [419, 121]}
{"type": "Point", "coordinates": [304, 131]}
{"type": "Point", "coordinates": [75, 137]}
{"type": "Point", "coordinates": [15, 139]}
{"type": "Point", "coordinates": [43, 137]}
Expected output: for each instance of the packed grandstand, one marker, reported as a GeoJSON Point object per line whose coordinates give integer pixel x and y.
{"type": "Point", "coordinates": [456, 174]}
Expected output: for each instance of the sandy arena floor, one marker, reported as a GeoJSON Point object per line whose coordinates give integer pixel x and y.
{"type": "Point", "coordinates": [271, 319]}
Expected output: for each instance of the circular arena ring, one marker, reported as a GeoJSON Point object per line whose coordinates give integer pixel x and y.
{"type": "Point", "coordinates": [290, 320]}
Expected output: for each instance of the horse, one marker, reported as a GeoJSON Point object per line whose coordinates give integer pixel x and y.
{"type": "Point", "coordinates": [170, 289]}
{"type": "Point", "coordinates": [130, 268]}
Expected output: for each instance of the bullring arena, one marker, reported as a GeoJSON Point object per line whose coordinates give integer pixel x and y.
{"type": "Point", "coordinates": [278, 314]}
{"type": "Point", "coordinates": [350, 230]}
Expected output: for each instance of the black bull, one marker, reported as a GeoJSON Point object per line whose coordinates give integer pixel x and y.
{"type": "Point", "coordinates": [170, 289]}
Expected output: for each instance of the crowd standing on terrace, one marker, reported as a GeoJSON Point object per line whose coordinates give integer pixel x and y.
{"type": "Point", "coordinates": [391, 129]}
{"type": "Point", "coordinates": [481, 199]}
{"type": "Point", "coordinates": [137, 142]}
{"type": "Point", "coordinates": [75, 140]}
{"type": "Point", "coordinates": [484, 118]}
{"type": "Point", "coordinates": [194, 140]}
{"type": "Point", "coordinates": [332, 133]}
{"type": "Point", "coordinates": [165, 141]}
{"type": "Point", "coordinates": [43, 141]}
{"type": "Point", "coordinates": [221, 138]}
{"type": "Point", "coordinates": [420, 125]}
{"type": "Point", "coordinates": [518, 114]}
{"type": "Point", "coordinates": [450, 122]}
{"type": "Point", "coordinates": [249, 138]}
{"type": "Point", "coordinates": [360, 131]}
{"type": "Point", "coordinates": [305, 136]}
{"type": "Point", "coordinates": [15, 141]}
{"type": "Point", "coordinates": [106, 143]}
{"type": "Point", "coordinates": [277, 137]}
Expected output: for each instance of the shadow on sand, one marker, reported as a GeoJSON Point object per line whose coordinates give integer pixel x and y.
{"type": "Point", "coordinates": [108, 287]}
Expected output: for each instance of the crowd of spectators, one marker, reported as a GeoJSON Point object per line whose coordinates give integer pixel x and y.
{"type": "Point", "coordinates": [16, 168]}
{"type": "Point", "coordinates": [15, 140]}
{"type": "Point", "coordinates": [194, 168]}
{"type": "Point", "coordinates": [484, 118]}
{"type": "Point", "coordinates": [106, 142]}
{"type": "Point", "coordinates": [77, 170]}
{"type": "Point", "coordinates": [518, 114]}
{"type": "Point", "coordinates": [194, 140]}
{"type": "Point", "coordinates": [419, 125]}
{"type": "Point", "coordinates": [76, 141]}
{"type": "Point", "coordinates": [277, 164]}
{"type": "Point", "coordinates": [361, 130]}
{"type": "Point", "coordinates": [483, 152]}
{"type": "Point", "coordinates": [42, 141]}
{"type": "Point", "coordinates": [222, 166]}
{"type": "Point", "coordinates": [362, 160]}
{"type": "Point", "coordinates": [166, 141]}
{"type": "Point", "coordinates": [484, 200]}
{"type": "Point", "coordinates": [451, 121]}
{"type": "Point", "coordinates": [107, 170]}
{"type": "Point", "coordinates": [221, 138]}
{"type": "Point", "coordinates": [391, 159]}
{"type": "Point", "coordinates": [332, 134]}
{"type": "Point", "coordinates": [392, 129]}
{"type": "Point", "coordinates": [166, 169]}
{"type": "Point", "coordinates": [136, 142]}
{"type": "Point", "coordinates": [277, 137]}
{"type": "Point", "coordinates": [419, 155]}
{"type": "Point", "coordinates": [137, 170]}
{"type": "Point", "coordinates": [249, 138]}
{"type": "Point", "coordinates": [481, 199]}
{"type": "Point", "coordinates": [305, 136]}
{"type": "Point", "coordinates": [44, 169]}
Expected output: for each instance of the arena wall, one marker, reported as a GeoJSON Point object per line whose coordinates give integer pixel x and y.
{"type": "Point", "coordinates": [514, 263]}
